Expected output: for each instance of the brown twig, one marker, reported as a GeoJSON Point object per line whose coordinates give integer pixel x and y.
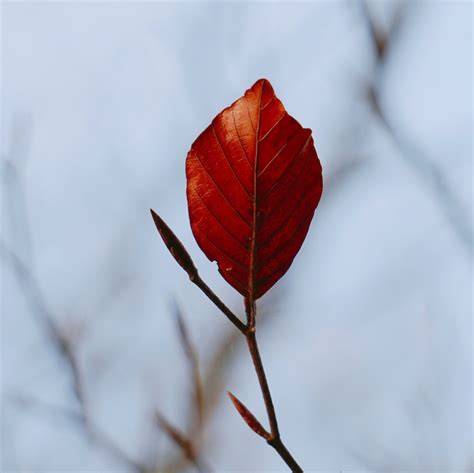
{"type": "Point", "coordinates": [251, 310]}
{"type": "Point", "coordinates": [274, 439]}
{"type": "Point", "coordinates": [214, 378]}
{"type": "Point", "coordinates": [182, 257]}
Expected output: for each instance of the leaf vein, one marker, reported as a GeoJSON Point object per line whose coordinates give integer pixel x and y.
{"type": "Point", "coordinates": [240, 139]}
{"type": "Point", "coordinates": [249, 114]}
{"type": "Point", "coordinates": [292, 161]}
{"type": "Point", "coordinates": [276, 253]}
{"type": "Point", "coordinates": [223, 252]}
{"type": "Point", "coordinates": [269, 102]}
{"type": "Point", "coordinates": [273, 127]}
{"type": "Point", "coordinates": [241, 217]}
{"type": "Point", "coordinates": [294, 209]}
{"type": "Point", "coordinates": [277, 153]}
{"type": "Point", "coordinates": [219, 222]}
{"type": "Point", "coordinates": [228, 162]}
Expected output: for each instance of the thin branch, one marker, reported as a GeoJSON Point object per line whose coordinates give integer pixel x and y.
{"type": "Point", "coordinates": [429, 174]}
{"type": "Point", "coordinates": [181, 440]}
{"type": "Point", "coordinates": [61, 343]}
{"type": "Point", "coordinates": [65, 349]}
{"type": "Point", "coordinates": [275, 439]}
{"type": "Point", "coordinates": [77, 417]}
{"type": "Point", "coordinates": [184, 442]}
{"type": "Point", "coordinates": [218, 303]}
{"type": "Point", "coordinates": [192, 357]}
{"type": "Point", "coordinates": [26, 401]}
{"type": "Point", "coordinates": [213, 381]}
{"type": "Point", "coordinates": [259, 370]}
{"type": "Point", "coordinates": [182, 257]}
{"type": "Point", "coordinates": [188, 443]}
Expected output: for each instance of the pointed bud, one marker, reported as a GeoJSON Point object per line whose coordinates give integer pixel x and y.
{"type": "Point", "coordinates": [249, 418]}
{"type": "Point", "coordinates": [175, 247]}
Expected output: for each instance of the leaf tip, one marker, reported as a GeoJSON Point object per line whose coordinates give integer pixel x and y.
{"type": "Point", "coordinates": [157, 219]}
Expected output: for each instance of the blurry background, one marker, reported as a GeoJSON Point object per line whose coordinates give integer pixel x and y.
{"type": "Point", "coordinates": [366, 340]}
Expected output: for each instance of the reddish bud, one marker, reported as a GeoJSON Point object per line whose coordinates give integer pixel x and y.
{"type": "Point", "coordinates": [249, 418]}
{"type": "Point", "coordinates": [174, 245]}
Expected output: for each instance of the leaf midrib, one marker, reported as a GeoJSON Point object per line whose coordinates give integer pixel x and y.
{"type": "Point", "coordinates": [253, 243]}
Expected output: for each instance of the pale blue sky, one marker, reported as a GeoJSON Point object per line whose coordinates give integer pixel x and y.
{"type": "Point", "coordinates": [368, 350]}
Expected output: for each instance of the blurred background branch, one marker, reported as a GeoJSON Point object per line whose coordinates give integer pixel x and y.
{"type": "Point", "coordinates": [65, 345]}
{"type": "Point", "coordinates": [379, 299]}
{"type": "Point", "coordinates": [429, 174]}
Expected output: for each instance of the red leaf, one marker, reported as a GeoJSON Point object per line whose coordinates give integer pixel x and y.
{"type": "Point", "coordinates": [253, 183]}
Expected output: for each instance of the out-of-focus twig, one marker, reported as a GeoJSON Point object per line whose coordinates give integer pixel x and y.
{"type": "Point", "coordinates": [179, 438]}
{"type": "Point", "coordinates": [381, 38]}
{"type": "Point", "coordinates": [188, 443]}
{"type": "Point", "coordinates": [26, 401]}
{"type": "Point", "coordinates": [65, 348]}
{"type": "Point", "coordinates": [192, 357]}
{"type": "Point", "coordinates": [62, 344]}
{"type": "Point", "coordinates": [184, 443]}
{"type": "Point", "coordinates": [425, 169]}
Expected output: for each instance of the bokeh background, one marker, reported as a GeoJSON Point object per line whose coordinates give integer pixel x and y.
{"type": "Point", "coordinates": [366, 340]}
